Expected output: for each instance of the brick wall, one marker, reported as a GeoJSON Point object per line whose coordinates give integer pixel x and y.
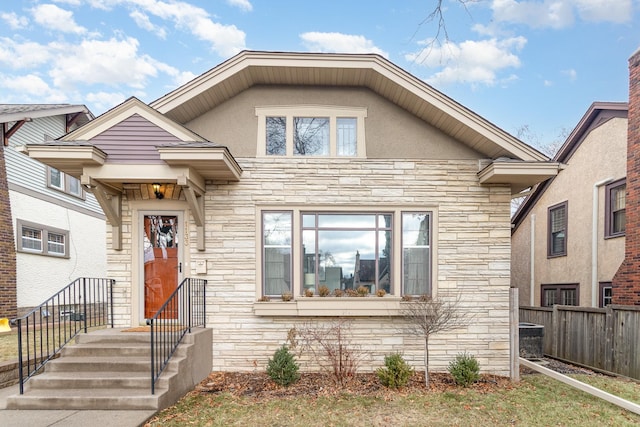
{"type": "Point", "coordinates": [8, 296]}
{"type": "Point", "coordinates": [626, 282]}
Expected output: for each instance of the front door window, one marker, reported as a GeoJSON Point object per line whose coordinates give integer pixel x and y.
{"type": "Point", "coordinates": [161, 264]}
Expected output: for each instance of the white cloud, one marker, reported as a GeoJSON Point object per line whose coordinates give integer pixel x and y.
{"type": "Point", "coordinates": [113, 62]}
{"type": "Point", "coordinates": [104, 100]}
{"type": "Point", "coordinates": [474, 62]}
{"type": "Point", "coordinates": [226, 40]}
{"type": "Point", "coordinates": [142, 20]}
{"type": "Point", "coordinates": [605, 10]}
{"type": "Point", "coordinates": [54, 18]}
{"type": "Point", "coordinates": [31, 88]}
{"type": "Point", "coordinates": [242, 4]}
{"type": "Point", "coordinates": [23, 55]}
{"type": "Point", "coordinates": [339, 43]}
{"type": "Point", "coordinates": [571, 73]}
{"type": "Point", "coordinates": [560, 13]}
{"type": "Point", "coordinates": [14, 21]}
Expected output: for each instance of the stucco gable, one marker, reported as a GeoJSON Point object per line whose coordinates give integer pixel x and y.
{"type": "Point", "coordinates": [249, 68]}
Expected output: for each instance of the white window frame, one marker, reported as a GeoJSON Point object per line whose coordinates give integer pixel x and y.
{"type": "Point", "coordinates": [65, 184]}
{"type": "Point", "coordinates": [304, 111]}
{"type": "Point", "coordinates": [45, 233]}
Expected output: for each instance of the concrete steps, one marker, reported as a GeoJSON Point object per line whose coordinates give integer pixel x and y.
{"type": "Point", "coordinates": [110, 369]}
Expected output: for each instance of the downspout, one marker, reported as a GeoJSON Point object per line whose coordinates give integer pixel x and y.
{"type": "Point", "coordinates": [532, 283]}
{"type": "Point", "coordinates": [594, 242]}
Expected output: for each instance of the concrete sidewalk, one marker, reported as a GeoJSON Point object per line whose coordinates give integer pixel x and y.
{"type": "Point", "coordinates": [67, 418]}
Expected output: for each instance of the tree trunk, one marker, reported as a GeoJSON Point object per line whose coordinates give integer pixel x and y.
{"type": "Point", "coordinates": [426, 362]}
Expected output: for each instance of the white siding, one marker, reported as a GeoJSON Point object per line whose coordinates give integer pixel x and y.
{"type": "Point", "coordinates": [30, 174]}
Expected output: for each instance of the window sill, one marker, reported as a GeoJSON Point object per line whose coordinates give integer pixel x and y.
{"type": "Point", "coordinates": [330, 307]}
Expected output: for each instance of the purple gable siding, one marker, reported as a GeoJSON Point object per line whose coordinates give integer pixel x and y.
{"type": "Point", "coordinates": [133, 140]}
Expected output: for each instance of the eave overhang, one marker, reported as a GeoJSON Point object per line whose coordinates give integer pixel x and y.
{"type": "Point", "coordinates": [518, 175]}
{"type": "Point", "coordinates": [70, 159]}
{"type": "Point", "coordinates": [214, 163]}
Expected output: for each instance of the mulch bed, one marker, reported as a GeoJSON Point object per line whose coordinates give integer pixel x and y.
{"type": "Point", "coordinates": [258, 385]}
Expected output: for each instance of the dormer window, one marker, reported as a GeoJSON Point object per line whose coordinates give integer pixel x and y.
{"type": "Point", "coordinates": [311, 131]}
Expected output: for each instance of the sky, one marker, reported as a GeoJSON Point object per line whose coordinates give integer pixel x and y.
{"type": "Point", "coordinates": [531, 67]}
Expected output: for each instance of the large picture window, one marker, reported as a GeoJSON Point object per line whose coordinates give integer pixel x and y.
{"type": "Point", "coordinates": [615, 199]}
{"type": "Point", "coordinates": [557, 226]}
{"type": "Point", "coordinates": [345, 251]}
{"type": "Point", "coordinates": [39, 239]}
{"type": "Point", "coordinates": [276, 242]}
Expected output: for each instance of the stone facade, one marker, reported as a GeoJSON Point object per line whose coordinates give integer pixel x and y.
{"type": "Point", "coordinates": [626, 283]}
{"type": "Point", "coordinates": [471, 235]}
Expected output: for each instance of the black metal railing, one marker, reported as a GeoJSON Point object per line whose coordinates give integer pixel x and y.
{"type": "Point", "coordinates": [183, 310]}
{"type": "Point", "coordinates": [84, 303]}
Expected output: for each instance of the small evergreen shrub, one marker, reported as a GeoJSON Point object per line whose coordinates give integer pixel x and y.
{"type": "Point", "coordinates": [465, 369]}
{"type": "Point", "coordinates": [283, 368]}
{"type": "Point", "coordinates": [396, 372]}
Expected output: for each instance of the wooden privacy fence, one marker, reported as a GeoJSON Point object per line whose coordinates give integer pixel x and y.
{"type": "Point", "coordinates": [602, 338]}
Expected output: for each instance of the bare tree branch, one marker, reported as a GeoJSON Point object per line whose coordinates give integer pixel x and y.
{"type": "Point", "coordinates": [428, 316]}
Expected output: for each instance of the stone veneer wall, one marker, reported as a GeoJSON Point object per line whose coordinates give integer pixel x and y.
{"type": "Point", "coordinates": [8, 291]}
{"type": "Point", "coordinates": [626, 282]}
{"type": "Point", "coordinates": [473, 256]}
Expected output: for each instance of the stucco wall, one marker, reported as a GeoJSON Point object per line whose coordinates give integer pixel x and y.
{"type": "Point", "coordinates": [39, 277]}
{"type": "Point", "coordinates": [386, 125]}
{"type": "Point", "coordinates": [600, 156]}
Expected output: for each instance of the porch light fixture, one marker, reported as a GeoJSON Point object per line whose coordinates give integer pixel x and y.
{"type": "Point", "coordinates": [157, 190]}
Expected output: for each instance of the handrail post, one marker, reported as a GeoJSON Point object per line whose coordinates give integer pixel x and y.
{"type": "Point", "coordinates": [189, 304]}
{"type": "Point", "coordinates": [84, 303]}
{"type": "Point", "coordinates": [20, 363]}
{"type": "Point", "coordinates": [153, 370]}
{"type": "Point", "coordinates": [113, 281]}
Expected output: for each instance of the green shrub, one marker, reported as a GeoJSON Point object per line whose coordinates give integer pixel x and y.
{"type": "Point", "coordinates": [283, 368]}
{"type": "Point", "coordinates": [396, 372]}
{"type": "Point", "coordinates": [465, 369]}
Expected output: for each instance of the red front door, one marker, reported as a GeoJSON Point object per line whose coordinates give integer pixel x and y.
{"type": "Point", "coordinates": [161, 263]}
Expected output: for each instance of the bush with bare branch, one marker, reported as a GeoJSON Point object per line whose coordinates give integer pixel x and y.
{"type": "Point", "coordinates": [427, 316]}
{"type": "Point", "coordinates": [332, 347]}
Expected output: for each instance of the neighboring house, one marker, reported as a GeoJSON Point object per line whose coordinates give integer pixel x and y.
{"type": "Point", "coordinates": [58, 229]}
{"type": "Point", "coordinates": [626, 282]}
{"type": "Point", "coordinates": [276, 172]}
{"type": "Point", "coordinates": [568, 236]}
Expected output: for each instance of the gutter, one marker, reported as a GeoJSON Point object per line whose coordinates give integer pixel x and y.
{"type": "Point", "coordinates": [594, 242]}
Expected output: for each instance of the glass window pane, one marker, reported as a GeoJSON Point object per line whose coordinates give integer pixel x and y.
{"type": "Point", "coordinates": [277, 228]}
{"type": "Point", "coordinates": [55, 243]}
{"type": "Point", "coordinates": [277, 232]}
{"type": "Point", "coordinates": [276, 136]}
{"type": "Point", "coordinates": [311, 136]}
{"type": "Point", "coordinates": [309, 220]}
{"type": "Point", "coordinates": [55, 179]}
{"type": "Point", "coordinates": [277, 271]}
{"type": "Point", "coordinates": [74, 186]}
{"type": "Point", "coordinates": [309, 259]}
{"type": "Point", "coordinates": [31, 239]}
{"type": "Point", "coordinates": [347, 221]}
{"type": "Point", "coordinates": [416, 253]}
{"type": "Point", "coordinates": [384, 263]}
{"type": "Point", "coordinates": [558, 225]}
{"type": "Point", "coordinates": [346, 136]}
